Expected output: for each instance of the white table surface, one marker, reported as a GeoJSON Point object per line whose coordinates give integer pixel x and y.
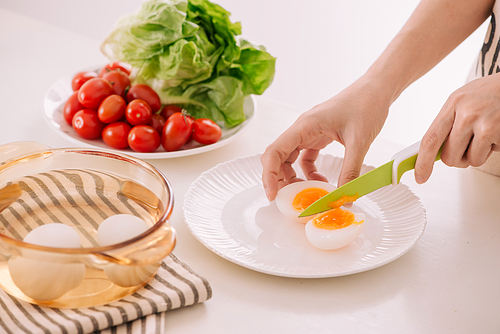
{"type": "Point", "coordinates": [447, 283]}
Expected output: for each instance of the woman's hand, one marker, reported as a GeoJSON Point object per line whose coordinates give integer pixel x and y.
{"type": "Point", "coordinates": [356, 115]}
{"type": "Point", "coordinates": [467, 127]}
{"type": "Point", "coordinates": [353, 118]}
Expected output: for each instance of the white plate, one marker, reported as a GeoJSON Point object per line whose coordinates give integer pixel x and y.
{"type": "Point", "coordinates": [53, 113]}
{"type": "Point", "coordinates": [227, 211]}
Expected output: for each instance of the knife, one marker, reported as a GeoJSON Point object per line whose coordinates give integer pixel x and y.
{"type": "Point", "coordinates": [387, 174]}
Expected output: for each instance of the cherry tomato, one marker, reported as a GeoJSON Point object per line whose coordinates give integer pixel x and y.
{"type": "Point", "coordinates": [176, 132]}
{"type": "Point", "coordinates": [157, 122]}
{"type": "Point", "coordinates": [112, 109]}
{"type": "Point", "coordinates": [146, 93]}
{"type": "Point", "coordinates": [93, 92]}
{"type": "Point", "coordinates": [115, 135]}
{"type": "Point", "coordinates": [80, 78]}
{"type": "Point", "coordinates": [143, 138]}
{"type": "Point", "coordinates": [169, 110]}
{"type": "Point", "coordinates": [206, 131]}
{"type": "Point", "coordinates": [126, 68]}
{"type": "Point", "coordinates": [87, 124]}
{"type": "Point", "coordinates": [138, 112]}
{"type": "Point", "coordinates": [119, 80]}
{"type": "Point", "coordinates": [71, 107]}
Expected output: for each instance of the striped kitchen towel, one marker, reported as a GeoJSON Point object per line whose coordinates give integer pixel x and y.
{"type": "Point", "coordinates": [175, 285]}
{"type": "Point", "coordinates": [83, 198]}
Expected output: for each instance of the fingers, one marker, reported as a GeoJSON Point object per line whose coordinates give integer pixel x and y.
{"type": "Point", "coordinates": [478, 152]}
{"type": "Point", "coordinates": [454, 151]}
{"type": "Point", "coordinates": [308, 166]}
{"type": "Point", "coordinates": [289, 174]}
{"type": "Point", "coordinates": [271, 175]}
{"type": "Point", "coordinates": [431, 143]}
{"type": "Point", "coordinates": [277, 163]}
{"type": "Point", "coordinates": [483, 142]}
{"type": "Point", "coordinates": [429, 148]}
{"type": "Point", "coordinates": [276, 172]}
{"type": "Point", "coordinates": [353, 161]}
{"type": "Point", "coordinates": [465, 130]}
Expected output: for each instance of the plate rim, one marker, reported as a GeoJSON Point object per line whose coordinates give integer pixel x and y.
{"type": "Point", "coordinates": [48, 113]}
{"type": "Point", "coordinates": [241, 263]}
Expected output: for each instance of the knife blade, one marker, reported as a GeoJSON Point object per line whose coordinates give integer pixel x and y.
{"type": "Point", "coordinates": [387, 174]}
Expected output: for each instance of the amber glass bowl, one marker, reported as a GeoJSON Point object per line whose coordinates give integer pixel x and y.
{"type": "Point", "coordinates": [79, 188]}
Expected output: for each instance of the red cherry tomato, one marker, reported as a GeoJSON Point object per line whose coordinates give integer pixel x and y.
{"type": "Point", "coordinates": [71, 107]}
{"type": "Point", "coordinates": [93, 92]}
{"type": "Point", "coordinates": [169, 110]}
{"type": "Point", "coordinates": [87, 124]}
{"type": "Point", "coordinates": [126, 68]}
{"type": "Point", "coordinates": [112, 109]}
{"type": "Point", "coordinates": [176, 132]}
{"type": "Point", "coordinates": [143, 138]}
{"type": "Point", "coordinates": [119, 80]}
{"type": "Point", "coordinates": [138, 112]}
{"type": "Point", "coordinates": [206, 131]}
{"type": "Point", "coordinates": [82, 77]}
{"type": "Point", "coordinates": [115, 135]}
{"type": "Point", "coordinates": [157, 122]}
{"type": "Point", "coordinates": [145, 93]}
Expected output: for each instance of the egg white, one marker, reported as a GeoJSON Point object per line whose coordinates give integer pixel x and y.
{"type": "Point", "coordinates": [54, 235]}
{"type": "Point", "coordinates": [116, 229]}
{"type": "Point", "coordinates": [334, 239]}
{"type": "Point", "coordinates": [47, 277]}
{"type": "Point", "coordinates": [286, 195]}
{"type": "Point", "coordinates": [119, 228]}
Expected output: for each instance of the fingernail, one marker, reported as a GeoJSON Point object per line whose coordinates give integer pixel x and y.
{"type": "Point", "coordinates": [267, 192]}
{"type": "Point", "coordinates": [419, 179]}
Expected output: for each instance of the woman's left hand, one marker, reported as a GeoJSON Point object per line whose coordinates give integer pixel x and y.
{"type": "Point", "coordinates": [467, 128]}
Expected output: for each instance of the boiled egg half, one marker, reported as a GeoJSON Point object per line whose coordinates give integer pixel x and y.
{"type": "Point", "coordinates": [294, 198]}
{"type": "Point", "coordinates": [329, 230]}
{"type": "Point", "coordinates": [334, 229]}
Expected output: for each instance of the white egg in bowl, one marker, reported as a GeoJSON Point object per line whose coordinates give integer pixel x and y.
{"type": "Point", "coordinates": [46, 276]}
{"type": "Point", "coordinates": [334, 229]}
{"type": "Point", "coordinates": [294, 198]}
{"type": "Point", "coordinates": [116, 229]}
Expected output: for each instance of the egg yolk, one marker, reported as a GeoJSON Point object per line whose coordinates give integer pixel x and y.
{"type": "Point", "coordinates": [334, 219]}
{"type": "Point", "coordinates": [307, 197]}
{"type": "Point", "coordinates": [343, 200]}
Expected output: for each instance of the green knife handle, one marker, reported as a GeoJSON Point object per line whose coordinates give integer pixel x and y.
{"type": "Point", "coordinates": [405, 161]}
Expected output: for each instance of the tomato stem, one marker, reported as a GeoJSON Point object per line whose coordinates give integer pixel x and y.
{"type": "Point", "coordinates": [185, 115]}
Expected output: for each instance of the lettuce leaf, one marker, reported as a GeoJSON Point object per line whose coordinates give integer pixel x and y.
{"type": "Point", "coordinates": [191, 53]}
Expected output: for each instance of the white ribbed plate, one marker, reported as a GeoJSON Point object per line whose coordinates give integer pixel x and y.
{"type": "Point", "coordinates": [227, 211]}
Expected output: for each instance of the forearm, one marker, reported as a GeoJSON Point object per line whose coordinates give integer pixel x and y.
{"type": "Point", "coordinates": [435, 28]}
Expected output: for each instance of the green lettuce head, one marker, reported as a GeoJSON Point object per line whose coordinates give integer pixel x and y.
{"type": "Point", "coordinates": [191, 54]}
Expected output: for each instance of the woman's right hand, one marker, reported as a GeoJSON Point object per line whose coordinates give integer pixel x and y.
{"type": "Point", "coordinates": [353, 118]}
